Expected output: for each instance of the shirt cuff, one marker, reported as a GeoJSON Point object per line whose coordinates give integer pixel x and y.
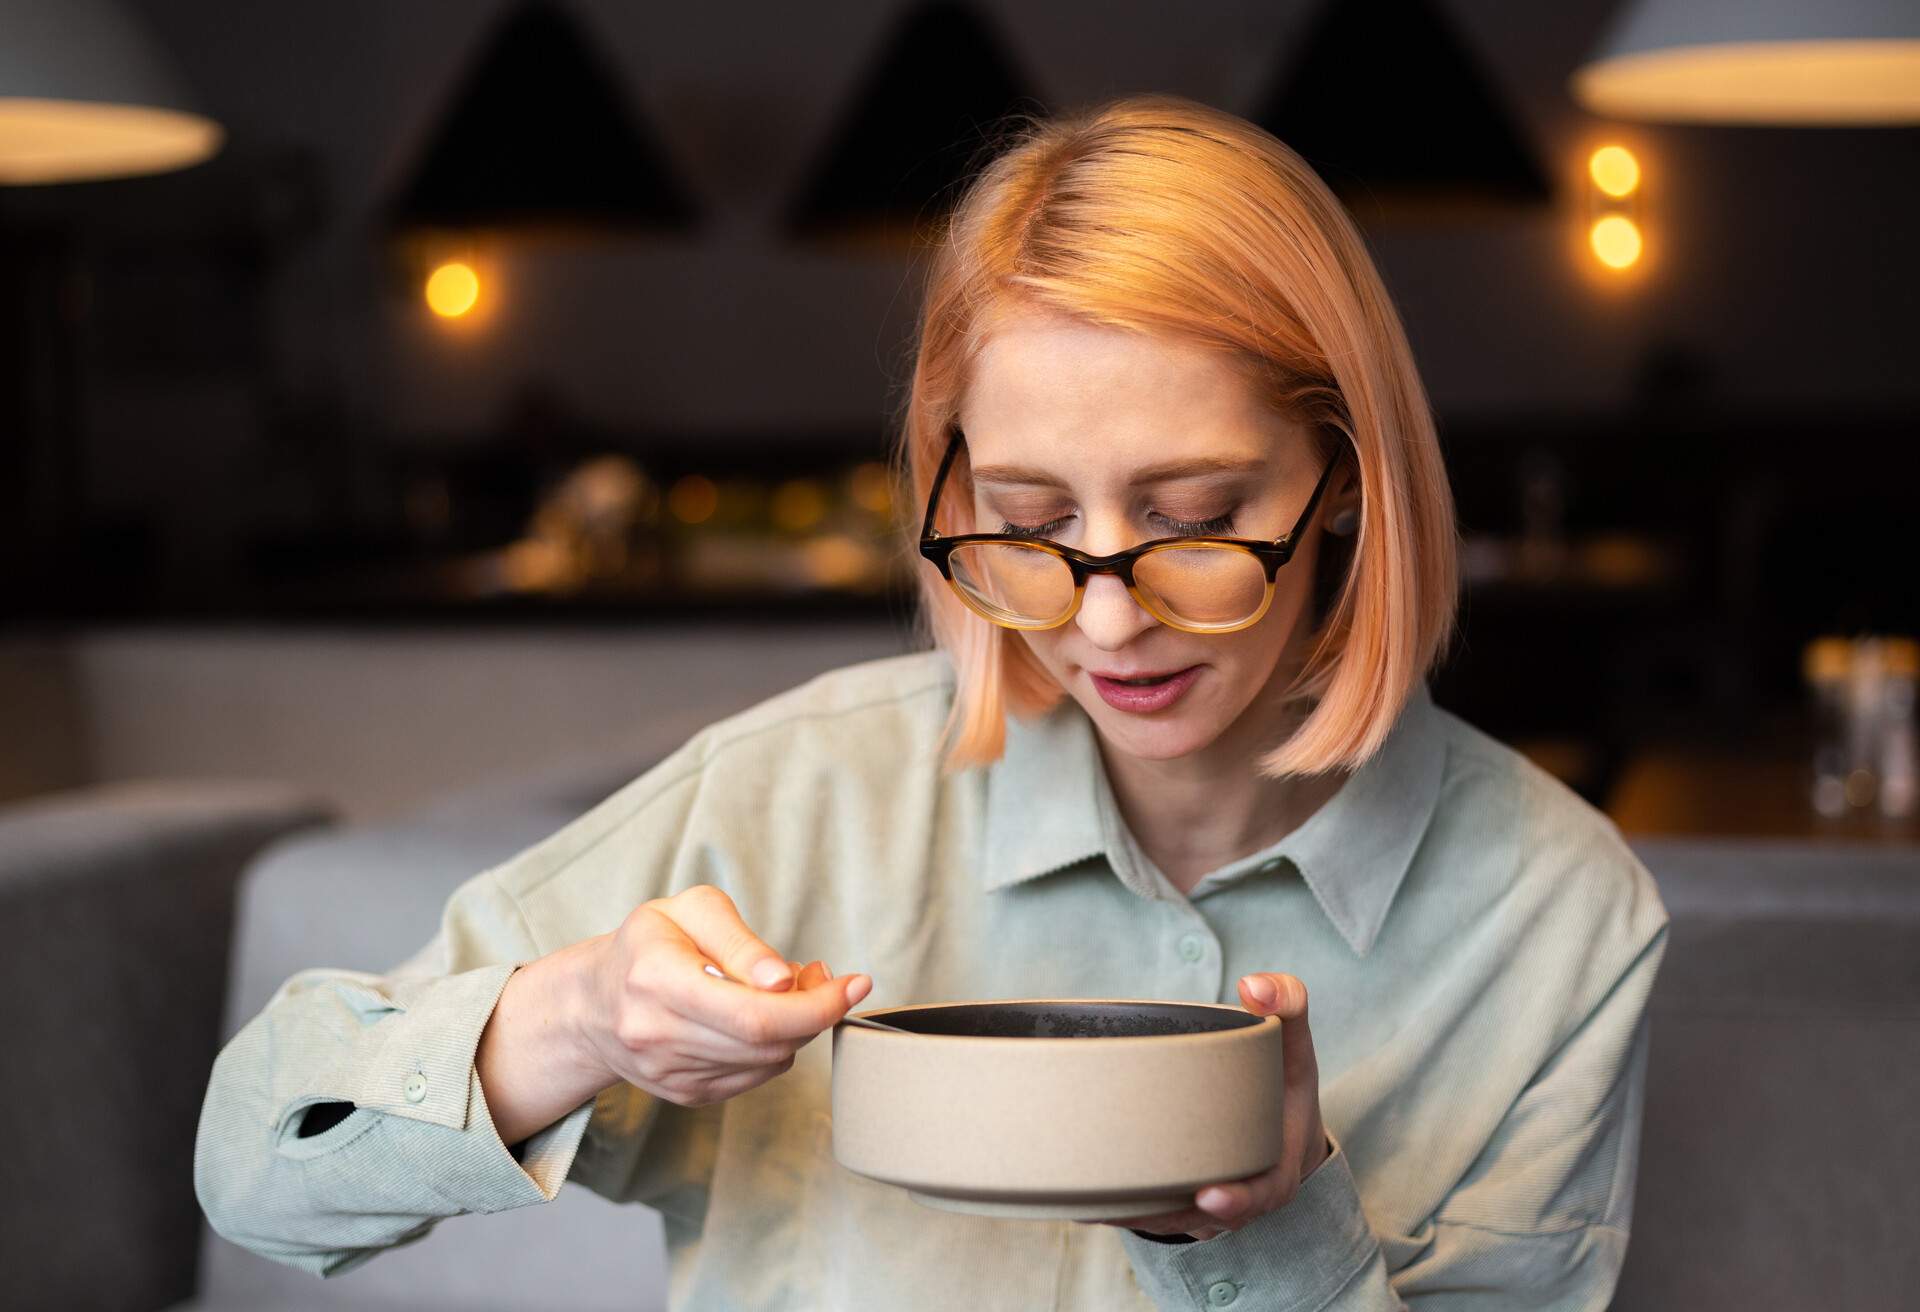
{"type": "Point", "coordinates": [476, 1172]}
{"type": "Point", "coordinates": [416, 1068]}
{"type": "Point", "coordinates": [1294, 1259]}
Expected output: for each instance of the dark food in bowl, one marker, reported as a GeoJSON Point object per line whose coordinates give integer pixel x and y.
{"type": "Point", "coordinates": [1067, 1020]}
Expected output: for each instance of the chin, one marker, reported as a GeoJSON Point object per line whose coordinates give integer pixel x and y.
{"type": "Point", "coordinates": [1179, 731]}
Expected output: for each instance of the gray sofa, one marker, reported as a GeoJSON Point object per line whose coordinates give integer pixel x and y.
{"type": "Point", "coordinates": [303, 904]}
{"type": "Point", "coordinates": [116, 905]}
{"type": "Point", "coordinates": [1780, 1163]}
{"type": "Point", "coordinates": [1781, 1144]}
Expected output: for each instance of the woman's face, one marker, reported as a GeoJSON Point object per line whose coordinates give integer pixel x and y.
{"type": "Point", "coordinates": [1078, 432]}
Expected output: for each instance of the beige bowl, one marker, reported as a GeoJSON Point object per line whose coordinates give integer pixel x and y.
{"type": "Point", "coordinates": [1076, 1108]}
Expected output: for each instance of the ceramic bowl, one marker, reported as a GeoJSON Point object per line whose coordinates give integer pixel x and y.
{"type": "Point", "coordinates": [1062, 1108]}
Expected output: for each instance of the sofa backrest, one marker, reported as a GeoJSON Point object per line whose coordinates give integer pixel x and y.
{"type": "Point", "coordinates": [1782, 1120]}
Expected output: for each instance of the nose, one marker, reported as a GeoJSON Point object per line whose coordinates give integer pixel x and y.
{"type": "Point", "coordinates": [1109, 616]}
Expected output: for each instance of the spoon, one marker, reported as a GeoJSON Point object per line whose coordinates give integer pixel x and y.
{"type": "Point", "coordinates": [862, 1021]}
{"type": "Point", "coordinates": [873, 1024]}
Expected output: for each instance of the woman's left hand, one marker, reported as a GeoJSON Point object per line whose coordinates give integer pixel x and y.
{"type": "Point", "coordinates": [1231, 1204]}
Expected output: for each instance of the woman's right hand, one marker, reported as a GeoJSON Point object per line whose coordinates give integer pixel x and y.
{"type": "Point", "coordinates": [647, 1011]}
{"type": "Point", "coordinates": [638, 1005]}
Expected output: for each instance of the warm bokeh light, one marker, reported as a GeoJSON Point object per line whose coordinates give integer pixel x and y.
{"type": "Point", "coordinates": [1616, 241]}
{"type": "Point", "coordinates": [49, 141]}
{"type": "Point", "coordinates": [799, 504]}
{"type": "Point", "coordinates": [693, 499]}
{"type": "Point", "coordinates": [838, 561]}
{"type": "Point", "coordinates": [536, 565]}
{"type": "Point", "coordinates": [452, 289]}
{"type": "Point", "coordinates": [1614, 170]}
{"type": "Point", "coordinates": [872, 487]}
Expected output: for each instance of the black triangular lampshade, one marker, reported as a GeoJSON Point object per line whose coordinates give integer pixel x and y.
{"type": "Point", "coordinates": [539, 135]}
{"type": "Point", "coordinates": [896, 162]}
{"type": "Point", "coordinates": [1395, 113]}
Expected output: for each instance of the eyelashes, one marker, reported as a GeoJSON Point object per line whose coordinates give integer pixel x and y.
{"type": "Point", "coordinates": [1031, 530]}
{"type": "Point", "coordinates": [1218, 526]}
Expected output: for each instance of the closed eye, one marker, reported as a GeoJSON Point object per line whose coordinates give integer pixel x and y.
{"type": "Point", "coordinates": [1218, 526]}
{"type": "Point", "coordinates": [1035, 530]}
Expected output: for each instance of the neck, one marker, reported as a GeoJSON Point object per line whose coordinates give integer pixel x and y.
{"type": "Point", "coordinates": [1201, 811]}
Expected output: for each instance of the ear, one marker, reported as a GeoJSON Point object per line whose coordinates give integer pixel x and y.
{"type": "Point", "coordinates": [1343, 504]}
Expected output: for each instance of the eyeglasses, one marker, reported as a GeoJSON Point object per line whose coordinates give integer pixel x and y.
{"type": "Point", "coordinates": [1195, 584]}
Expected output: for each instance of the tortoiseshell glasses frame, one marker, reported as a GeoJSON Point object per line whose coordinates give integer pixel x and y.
{"type": "Point", "coordinates": [1271, 555]}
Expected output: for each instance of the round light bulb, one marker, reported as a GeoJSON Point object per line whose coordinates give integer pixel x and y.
{"type": "Point", "coordinates": [452, 290]}
{"type": "Point", "coordinates": [1616, 241]}
{"type": "Point", "coordinates": [1614, 170]}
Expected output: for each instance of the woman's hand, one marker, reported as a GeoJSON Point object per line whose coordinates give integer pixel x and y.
{"type": "Point", "coordinates": [637, 1005]}
{"type": "Point", "coordinates": [1230, 1205]}
{"type": "Point", "coordinates": [647, 1011]}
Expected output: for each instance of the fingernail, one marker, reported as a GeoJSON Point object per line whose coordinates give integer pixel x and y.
{"type": "Point", "coordinates": [1262, 989]}
{"type": "Point", "coordinates": [1217, 1201]}
{"type": "Point", "coordinates": [857, 988]}
{"type": "Point", "coordinates": [828, 969]}
{"type": "Point", "coordinates": [771, 972]}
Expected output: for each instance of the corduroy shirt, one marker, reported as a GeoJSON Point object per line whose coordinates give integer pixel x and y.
{"type": "Point", "coordinates": [1478, 944]}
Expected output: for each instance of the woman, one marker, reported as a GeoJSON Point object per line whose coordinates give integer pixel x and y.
{"type": "Point", "coordinates": [1203, 770]}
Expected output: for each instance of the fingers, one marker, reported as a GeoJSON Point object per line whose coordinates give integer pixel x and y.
{"type": "Point", "coordinates": [1302, 1131]}
{"type": "Point", "coordinates": [749, 1014]}
{"type": "Point", "coordinates": [1288, 1000]}
{"type": "Point", "coordinates": [709, 917]}
{"type": "Point", "coordinates": [1234, 1202]}
{"type": "Point", "coordinates": [729, 1086]}
{"type": "Point", "coordinates": [1219, 1207]}
{"type": "Point", "coordinates": [695, 1039]}
{"type": "Point", "coordinates": [701, 925]}
{"type": "Point", "coordinates": [1273, 994]}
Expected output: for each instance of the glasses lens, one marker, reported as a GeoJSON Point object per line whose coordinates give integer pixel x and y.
{"type": "Point", "coordinates": [1205, 586]}
{"type": "Point", "coordinates": [1009, 581]}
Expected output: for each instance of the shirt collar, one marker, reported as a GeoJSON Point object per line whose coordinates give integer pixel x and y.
{"type": "Point", "coordinates": [1050, 806]}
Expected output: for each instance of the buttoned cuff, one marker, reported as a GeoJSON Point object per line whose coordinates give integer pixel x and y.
{"type": "Point", "coordinates": [422, 1067]}
{"type": "Point", "coordinates": [412, 1059]}
{"type": "Point", "coordinates": [403, 1047]}
{"type": "Point", "coordinates": [1295, 1259]}
{"type": "Point", "coordinates": [476, 1172]}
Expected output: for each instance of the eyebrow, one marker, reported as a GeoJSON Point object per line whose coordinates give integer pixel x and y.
{"type": "Point", "coordinates": [1166, 471]}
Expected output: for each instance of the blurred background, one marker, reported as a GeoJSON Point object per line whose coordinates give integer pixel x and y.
{"type": "Point", "coordinates": [417, 418]}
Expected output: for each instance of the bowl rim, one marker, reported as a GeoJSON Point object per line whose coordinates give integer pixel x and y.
{"type": "Point", "coordinates": [1260, 1023]}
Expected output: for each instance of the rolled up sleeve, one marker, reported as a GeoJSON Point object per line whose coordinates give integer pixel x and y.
{"type": "Point", "coordinates": [419, 1144]}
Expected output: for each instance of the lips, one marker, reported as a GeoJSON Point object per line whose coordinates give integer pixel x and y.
{"type": "Point", "coordinates": [1144, 698]}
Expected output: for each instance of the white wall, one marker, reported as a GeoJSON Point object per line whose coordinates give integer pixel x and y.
{"type": "Point", "coordinates": [382, 720]}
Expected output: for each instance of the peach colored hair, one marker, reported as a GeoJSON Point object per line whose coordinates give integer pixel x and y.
{"type": "Point", "coordinates": [1159, 214]}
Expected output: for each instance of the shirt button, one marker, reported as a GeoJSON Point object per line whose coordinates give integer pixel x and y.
{"type": "Point", "coordinates": [1191, 948]}
{"type": "Point", "coordinates": [1272, 865]}
{"type": "Point", "coordinates": [416, 1087]}
{"type": "Point", "coordinates": [1221, 1293]}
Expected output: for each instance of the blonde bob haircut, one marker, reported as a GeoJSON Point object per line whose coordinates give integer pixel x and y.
{"type": "Point", "coordinates": [1160, 215]}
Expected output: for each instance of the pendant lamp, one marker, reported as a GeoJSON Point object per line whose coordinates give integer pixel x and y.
{"type": "Point", "coordinates": [85, 95]}
{"type": "Point", "coordinates": [539, 137]}
{"type": "Point", "coordinates": [1776, 62]}
{"type": "Point", "coordinates": [942, 84]}
{"type": "Point", "coordinates": [1391, 103]}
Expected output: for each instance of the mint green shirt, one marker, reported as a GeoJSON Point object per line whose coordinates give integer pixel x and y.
{"type": "Point", "coordinates": [1478, 944]}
